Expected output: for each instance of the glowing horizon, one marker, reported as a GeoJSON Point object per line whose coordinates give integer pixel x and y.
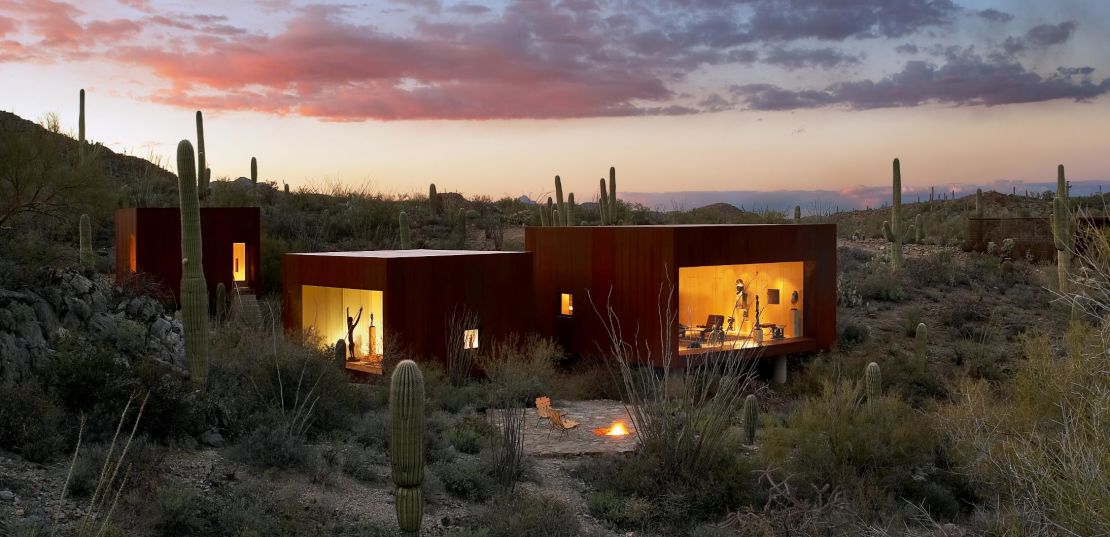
{"type": "Point", "coordinates": [496, 98]}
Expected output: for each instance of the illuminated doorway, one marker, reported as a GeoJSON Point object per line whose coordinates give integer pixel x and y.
{"type": "Point", "coordinates": [239, 261]}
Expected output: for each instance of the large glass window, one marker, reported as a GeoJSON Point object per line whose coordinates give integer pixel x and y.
{"type": "Point", "coordinates": [353, 315]}
{"type": "Point", "coordinates": [734, 306]}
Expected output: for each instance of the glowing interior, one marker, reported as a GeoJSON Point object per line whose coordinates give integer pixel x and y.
{"type": "Point", "coordinates": [566, 304]}
{"type": "Point", "coordinates": [131, 254]}
{"type": "Point", "coordinates": [239, 261]}
{"type": "Point", "coordinates": [470, 338]}
{"type": "Point", "coordinates": [711, 290]}
{"type": "Point", "coordinates": [324, 310]}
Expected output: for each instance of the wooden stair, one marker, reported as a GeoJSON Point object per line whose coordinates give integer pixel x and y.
{"type": "Point", "coordinates": [244, 306]}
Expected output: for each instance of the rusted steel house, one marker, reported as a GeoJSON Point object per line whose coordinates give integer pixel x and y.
{"type": "Point", "coordinates": [406, 299]}
{"type": "Point", "coordinates": [148, 240]}
{"type": "Point", "coordinates": [771, 287]}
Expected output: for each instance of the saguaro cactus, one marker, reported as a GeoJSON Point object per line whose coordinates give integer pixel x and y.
{"type": "Point", "coordinates": [221, 302]}
{"type": "Point", "coordinates": [543, 216]}
{"type": "Point", "coordinates": [751, 418]}
{"type": "Point", "coordinates": [562, 220]}
{"type": "Point", "coordinates": [603, 203]}
{"type": "Point", "coordinates": [81, 127]}
{"type": "Point", "coordinates": [1063, 231]}
{"type": "Point", "coordinates": [85, 251]}
{"type": "Point", "coordinates": [203, 174]}
{"type": "Point", "coordinates": [978, 203]}
{"type": "Point", "coordinates": [917, 233]}
{"type": "Point", "coordinates": [873, 381]}
{"type": "Point", "coordinates": [406, 443]}
{"type": "Point", "coordinates": [612, 205]}
{"type": "Point", "coordinates": [571, 221]}
{"type": "Point", "coordinates": [433, 199]}
{"type": "Point", "coordinates": [254, 171]}
{"type": "Point", "coordinates": [893, 229]}
{"type": "Point", "coordinates": [920, 342]}
{"type": "Point", "coordinates": [194, 290]}
{"type": "Point", "coordinates": [797, 214]}
{"type": "Point", "coordinates": [403, 224]}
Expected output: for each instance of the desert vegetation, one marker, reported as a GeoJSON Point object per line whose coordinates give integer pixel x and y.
{"type": "Point", "coordinates": [968, 393]}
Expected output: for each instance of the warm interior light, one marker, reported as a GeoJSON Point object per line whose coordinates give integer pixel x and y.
{"type": "Point", "coordinates": [239, 261]}
{"type": "Point", "coordinates": [132, 262]}
{"type": "Point", "coordinates": [324, 311]}
{"type": "Point", "coordinates": [617, 429]}
{"type": "Point", "coordinates": [470, 339]}
{"type": "Point", "coordinates": [566, 304]}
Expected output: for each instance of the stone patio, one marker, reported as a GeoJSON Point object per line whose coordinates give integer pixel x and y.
{"type": "Point", "coordinates": [541, 440]}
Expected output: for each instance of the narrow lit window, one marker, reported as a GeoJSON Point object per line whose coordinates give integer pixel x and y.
{"type": "Point", "coordinates": [470, 339]}
{"type": "Point", "coordinates": [132, 262]}
{"type": "Point", "coordinates": [239, 261]}
{"type": "Point", "coordinates": [566, 304]}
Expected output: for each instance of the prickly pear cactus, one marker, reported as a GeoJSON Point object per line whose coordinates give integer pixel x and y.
{"type": "Point", "coordinates": [194, 290]}
{"type": "Point", "coordinates": [406, 443]}
{"type": "Point", "coordinates": [85, 252]}
{"type": "Point", "coordinates": [403, 224]}
{"type": "Point", "coordinates": [751, 418]}
{"type": "Point", "coordinates": [873, 381]}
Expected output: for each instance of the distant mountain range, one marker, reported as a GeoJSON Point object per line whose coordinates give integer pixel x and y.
{"type": "Point", "coordinates": [857, 197]}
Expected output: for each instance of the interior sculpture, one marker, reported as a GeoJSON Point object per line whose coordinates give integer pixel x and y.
{"type": "Point", "coordinates": [352, 315]}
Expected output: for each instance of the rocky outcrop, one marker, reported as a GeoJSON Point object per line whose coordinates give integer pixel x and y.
{"type": "Point", "coordinates": [91, 309]}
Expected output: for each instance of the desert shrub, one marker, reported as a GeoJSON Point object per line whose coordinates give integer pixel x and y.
{"type": "Point", "coordinates": [527, 514]}
{"type": "Point", "coordinates": [529, 362]}
{"type": "Point", "coordinates": [436, 446]}
{"type": "Point", "coordinates": [270, 446]}
{"type": "Point", "coordinates": [366, 465]}
{"type": "Point", "coordinates": [468, 433]}
{"type": "Point", "coordinates": [466, 478]}
{"type": "Point", "coordinates": [851, 260]}
{"type": "Point", "coordinates": [30, 423]}
{"type": "Point", "coordinates": [864, 448]}
{"type": "Point", "coordinates": [371, 430]}
{"type": "Point", "coordinates": [847, 295]}
{"type": "Point", "coordinates": [251, 510]}
{"type": "Point", "coordinates": [852, 333]}
{"type": "Point", "coordinates": [880, 284]}
{"type": "Point", "coordinates": [1038, 448]}
{"type": "Point", "coordinates": [936, 269]}
{"type": "Point", "coordinates": [175, 504]}
{"type": "Point", "coordinates": [911, 316]}
{"type": "Point", "coordinates": [587, 380]}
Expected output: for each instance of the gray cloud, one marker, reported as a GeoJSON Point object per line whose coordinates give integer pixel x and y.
{"type": "Point", "coordinates": [800, 58]}
{"type": "Point", "coordinates": [965, 79]}
{"type": "Point", "coordinates": [1046, 35]}
{"type": "Point", "coordinates": [995, 15]}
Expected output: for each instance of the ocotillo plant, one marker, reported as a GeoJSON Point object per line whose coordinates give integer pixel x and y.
{"type": "Point", "coordinates": [81, 127]}
{"type": "Point", "coordinates": [221, 302]}
{"type": "Point", "coordinates": [893, 230]}
{"type": "Point", "coordinates": [433, 199]}
{"type": "Point", "coordinates": [254, 171]}
{"type": "Point", "coordinates": [1062, 229]}
{"type": "Point", "coordinates": [751, 418]}
{"type": "Point", "coordinates": [562, 220]}
{"type": "Point", "coordinates": [194, 290]}
{"type": "Point", "coordinates": [202, 166]}
{"type": "Point", "coordinates": [403, 225]}
{"type": "Point", "coordinates": [797, 214]}
{"type": "Point", "coordinates": [978, 203]}
{"type": "Point", "coordinates": [873, 381]}
{"type": "Point", "coordinates": [341, 353]}
{"type": "Point", "coordinates": [920, 343]}
{"type": "Point", "coordinates": [85, 252]}
{"type": "Point", "coordinates": [603, 204]}
{"type": "Point", "coordinates": [406, 443]}
{"type": "Point", "coordinates": [571, 221]}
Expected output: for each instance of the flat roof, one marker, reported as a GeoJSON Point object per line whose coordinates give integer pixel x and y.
{"type": "Point", "coordinates": [395, 254]}
{"type": "Point", "coordinates": [666, 226]}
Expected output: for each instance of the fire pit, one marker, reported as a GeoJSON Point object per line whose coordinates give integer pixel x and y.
{"type": "Point", "coordinates": [616, 429]}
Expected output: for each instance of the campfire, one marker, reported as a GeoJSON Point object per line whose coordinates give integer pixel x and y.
{"type": "Point", "coordinates": [617, 429]}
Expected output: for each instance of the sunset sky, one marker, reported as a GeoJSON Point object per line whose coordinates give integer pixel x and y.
{"type": "Point", "coordinates": [496, 97]}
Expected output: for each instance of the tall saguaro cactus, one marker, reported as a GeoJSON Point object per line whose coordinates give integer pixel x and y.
{"type": "Point", "coordinates": [571, 212]}
{"type": "Point", "coordinates": [978, 203]}
{"type": "Point", "coordinates": [920, 342]}
{"type": "Point", "coordinates": [893, 229]}
{"type": "Point", "coordinates": [917, 232]}
{"type": "Point", "coordinates": [254, 171]}
{"type": "Point", "coordinates": [797, 214]}
{"type": "Point", "coordinates": [403, 224]}
{"type": "Point", "coordinates": [81, 127]}
{"type": "Point", "coordinates": [873, 381]}
{"type": "Point", "coordinates": [433, 199]}
{"type": "Point", "coordinates": [612, 205]}
{"type": "Point", "coordinates": [406, 443]}
{"type": "Point", "coordinates": [562, 220]}
{"type": "Point", "coordinates": [85, 252]}
{"type": "Point", "coordinates": [194, 290]}
{"type": "Point", "coordinates": [603, 203]}
{"type": "Point", "coordinates": [202, 172]}
{"type": "Point", "coordinates": [751, 418]}
{"type": "Point", "coordinates": [1063, 231]}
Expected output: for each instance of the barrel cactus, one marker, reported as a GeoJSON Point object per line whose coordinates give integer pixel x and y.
{"type": "Point", "coordinates": [403, 224]}
{"type": "Point", "coordinates": [406, 443]}
{"type": "Point", "coordinates": [751, 418]}
{"type": "Point", "coordinates": [873, 381]}
{"type": "Point", "coordinates": [85, 253]}
{"type": "Point", "coordinates": [194, 289]}
{"type": "Point", "coordinates": [893, 229]}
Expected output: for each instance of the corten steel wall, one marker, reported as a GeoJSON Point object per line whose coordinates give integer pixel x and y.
{"type": "Point", "coordinates": [633, 269]}
{"type": "Point", "coordinates": [420, 293]}
{"type": "Point", "coordinates": [158, 244]}
{"type": "Point", "coordinates": [1033, 234]}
